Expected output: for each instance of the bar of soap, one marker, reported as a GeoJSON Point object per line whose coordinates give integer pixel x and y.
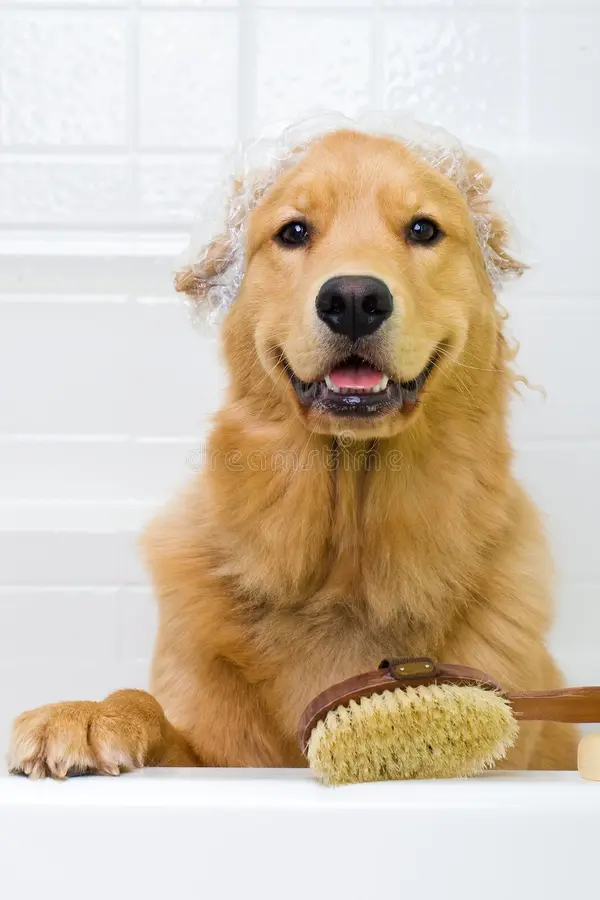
{"type": "Point", "coordinates": [588, 757]}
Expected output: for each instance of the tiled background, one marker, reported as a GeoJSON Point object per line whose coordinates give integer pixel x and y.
{"type": "Point", "coordinates": [112, 119]}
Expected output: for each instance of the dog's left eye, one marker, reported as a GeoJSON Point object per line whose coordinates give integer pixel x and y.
{"type": "Point", "coordinates": [294, 234]}
{"type": "Point", "coordinates": [423, 231]}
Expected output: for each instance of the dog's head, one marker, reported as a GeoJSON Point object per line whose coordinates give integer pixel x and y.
{"type": "Point", "coordinates": [364, 273]}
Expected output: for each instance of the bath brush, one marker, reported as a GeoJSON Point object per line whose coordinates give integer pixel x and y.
{"type": "Point", "coordinates": [415, 718]}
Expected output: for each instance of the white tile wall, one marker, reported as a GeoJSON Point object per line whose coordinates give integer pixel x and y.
{"type": "Point", "coordinates": [558, 42]}
{"type": "Point", "coordinates": [74, 192]}
{"type": "Point", "coordinates": [113, 114]}
{"type": "Point", "coordinates": [187, 78]}
{"type": "Point", "coordinates": [172, 188]}
{"type": "Point", "coordinates": [45, 99]}
{"type": "Point", "coordinates": [306, 58]}
{"type": "Point", "coordinates": [463, 69]}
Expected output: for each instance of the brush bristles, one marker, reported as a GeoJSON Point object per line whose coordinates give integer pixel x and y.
{"type": "Point", "coordinates": [440, 731]}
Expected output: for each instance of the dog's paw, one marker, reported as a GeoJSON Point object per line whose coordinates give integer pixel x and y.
{"type": "Point", "coordinates": [104, 738]}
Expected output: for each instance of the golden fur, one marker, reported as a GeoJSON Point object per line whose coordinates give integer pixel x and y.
{"type": "Point", "coordinates": [311, 546]}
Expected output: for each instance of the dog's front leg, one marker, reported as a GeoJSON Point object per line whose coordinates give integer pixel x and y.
{"type": "Point", "coordinates": [226, 715]}
{"type": "Point", "coordinates": [214, 669]}
{"type": "Point", "coordinates": [126, 731]}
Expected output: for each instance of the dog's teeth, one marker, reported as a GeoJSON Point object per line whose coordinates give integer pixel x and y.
{"type": "Point", "coordinates": [331, 386]}
{"type": "Point", "coordinates": [381, 386]}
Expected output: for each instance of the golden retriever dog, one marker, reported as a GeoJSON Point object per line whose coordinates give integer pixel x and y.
{"type": "Point", "coordinates": [359, 500]}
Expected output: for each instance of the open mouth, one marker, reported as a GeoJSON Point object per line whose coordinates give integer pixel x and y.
{"type": "Point", "coordinates": [357, 388]}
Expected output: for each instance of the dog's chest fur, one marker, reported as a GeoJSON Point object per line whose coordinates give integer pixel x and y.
{"type": "Point", "coordinates": [387, 544]}
{"type": "Point", "coordinates": [353, 564]}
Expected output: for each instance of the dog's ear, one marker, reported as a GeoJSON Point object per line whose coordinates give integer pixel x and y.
{"type": "Point", "coordinates": [211, 261]}
{"type": "Point", "coordinates": [498, 238]}
{"type": "Point", "coordinates": [196, 278]}
{"type": "Point", "coordinates": [218, 262]}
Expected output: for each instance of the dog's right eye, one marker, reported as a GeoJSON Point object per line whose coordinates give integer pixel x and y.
{"type": "Point", "coordinates": [293, 234]}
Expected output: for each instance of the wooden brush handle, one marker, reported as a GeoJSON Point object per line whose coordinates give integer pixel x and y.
{"type": "Point", "coordinates": [568, 705]}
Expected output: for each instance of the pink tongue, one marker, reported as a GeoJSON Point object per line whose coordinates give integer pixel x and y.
{"type": "Point", "coordinates": [360, 377]}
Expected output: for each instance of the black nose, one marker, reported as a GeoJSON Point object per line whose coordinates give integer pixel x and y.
{"type": "Point", "coordinates": [354, 305]}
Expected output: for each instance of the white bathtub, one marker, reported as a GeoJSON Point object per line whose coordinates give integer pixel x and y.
{"type": "Point", "coordinates": [278, 834]}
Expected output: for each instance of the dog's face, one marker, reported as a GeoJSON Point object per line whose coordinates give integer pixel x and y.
{"type": "Point", "coordinates": [363, 276]}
